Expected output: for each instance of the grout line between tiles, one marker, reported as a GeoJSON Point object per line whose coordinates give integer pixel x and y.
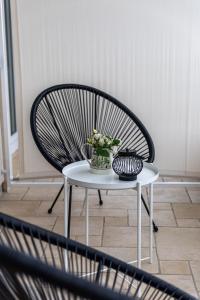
{"type": "Point", "coordinates": [55, 223]}
{"type": "Point", "coordinates": [186, 190]}
{"type": "Point", "coordinates": [25, 194]}
{"type": "Point", "coordinates": [40, 203]}
{"type": "Point", "coordinates": [103, 230]}
{"type": "Point", "coordinates": [156, 250]}
{"type": "Point", "coordinates": [193, 278]}
{"type": "Point", "coordinates": [177, 260]}
{"type": "Point", "coordinates": [177, 274]}
{"type": "Point", "coordinates": [174, 214]}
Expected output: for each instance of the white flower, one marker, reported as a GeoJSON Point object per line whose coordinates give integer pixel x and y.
{"type": "Point", "coordinates": [97, 136]}
{"type": "Point", "coordinates": [101, 142]}
{"type": "Point", "coordinates": [114, 150]}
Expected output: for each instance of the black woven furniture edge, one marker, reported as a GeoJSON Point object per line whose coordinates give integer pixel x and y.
{"type": "Point", "coordinates": [27, 273]}
{"type": "Point", "coordinates": [33, 266]}
{"type": "Point", "coordinates": [64, 116]}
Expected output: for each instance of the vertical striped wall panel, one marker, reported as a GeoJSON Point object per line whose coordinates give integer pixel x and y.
{"type": "Point", "coordinates": [145, 53]}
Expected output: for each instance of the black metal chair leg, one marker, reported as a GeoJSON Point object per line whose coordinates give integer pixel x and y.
{"type": "Point", "coordinates": [70, 208]}
{"type": "Point", "coordinates": [100, 199]}
{"type": "Point", "coordinates": [155, 227]}
{"type": "Point", "coordinates": [54, 202]}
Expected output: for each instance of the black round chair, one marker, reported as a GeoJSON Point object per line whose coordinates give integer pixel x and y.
{"type": "Point", "coordinates": [64, 116]}
{"type": "Point", "coordinates": [38, 264]}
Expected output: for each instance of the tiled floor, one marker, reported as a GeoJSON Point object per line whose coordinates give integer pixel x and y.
{"type": "Point", "coordinates": [113, 226]}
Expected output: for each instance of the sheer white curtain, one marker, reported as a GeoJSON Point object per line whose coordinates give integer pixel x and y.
{"type": "Point", "coordinates": [146, 53]}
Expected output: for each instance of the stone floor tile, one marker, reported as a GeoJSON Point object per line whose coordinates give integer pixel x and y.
{"type": "Point", "coordinates": [94, 192]}
{"type": "Point", "coordinates": [178, 243]}
{"type": "Point", "coordinates": [18, 189]}
{"type": "Point", "coordinates": [106, 212]}
{"type": "Point", "coordinates": [148, 267]}
{"type": "Point", "coordinates": [191, 187]}
{"type": "Point", "coordinates": [43, 179]}
{"type": "Point", "coordinates": [175, 267]}
{"type": "Point", "coordinates": [59, 179]}
{"type": "Point", "coordinates": [58, 209]}
{"type": "Point", "coordinates": [159, 179]}
{"type": "Point", "coordinates": [94, 240]}
{"type": "Point", "coordinates": [15, 164]}
{"type": "Point", "coordinates": [170, 195]}
{"type": "Point", "coordinates": [191, 179]}
{"type": "Point", "coordinates": [44, 222]}
{"type": "Point", "coordinates": [172, 178]}
{"type": "Point", "coordinates": [78, 194]}
{"type": "Point", "coordinates": [17, 208]}
{"type": "Point", "coordinates": [12, 196]}
{"type": "Point", "coordinates": [161, 218]}
{"type": "Point", "coordinates": [115, 202]}
{"type": "Point", "coordinates": [162, 206]}
{"type": "Point", "coordinates": [78, 226]}
{"type": "Point", "coordinates": [195, 267]}
{"type": "Point", "coordinates": [194, 195]}
{"type": "Point", "coordinates": [129, 192]}
{"type": "Point", "coordinates": [130, 254]}
{"type": "Point", "coordinates": [124, 236]}
{"type": "Point", "coordinates": [175, 245]}
{"type": "Point", "coordinates": [41, 193]}
{"type": "Point", "coordinates": [116, 221]}
{"type": "Point", "coordinates": [185, 282]}
{"type": "Point", "coordinates": [188, 223]}
{"type": "Point", "coordinates": [187, 211]}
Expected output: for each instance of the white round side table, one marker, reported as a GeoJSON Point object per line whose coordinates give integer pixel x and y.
{"type": "Point", "coordinates": [79, 174]}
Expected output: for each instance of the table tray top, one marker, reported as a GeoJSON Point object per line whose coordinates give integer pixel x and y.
{"type": "Point", "coordinates": [79, 173]}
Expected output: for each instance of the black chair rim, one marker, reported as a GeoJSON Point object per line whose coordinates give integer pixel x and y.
{"type": "Point", "coordinates": [14, 261]}
{"type": "Point", "coordinates": [66, 243]}
{"type": "Point", "coordinates": [97, 92]}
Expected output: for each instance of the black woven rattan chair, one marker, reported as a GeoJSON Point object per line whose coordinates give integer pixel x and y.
{"type": "Point", "coordinates": [63, 117]}
{"type": "Point", "coordinates": [38, 264]}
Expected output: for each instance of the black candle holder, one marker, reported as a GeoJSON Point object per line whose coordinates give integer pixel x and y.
{"type": "Point", "coordinates": [127, 164]}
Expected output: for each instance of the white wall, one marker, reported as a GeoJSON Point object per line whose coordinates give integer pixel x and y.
{"type": "Point", "coordinates": [146, 53]}
{"type": "Point", "coordinates": [1, 160]}
{"type": "Point", "coordinates": [1, 65]}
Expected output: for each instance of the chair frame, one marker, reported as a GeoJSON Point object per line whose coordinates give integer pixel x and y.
{"type": "Point", "coordinates": [15, 261]}
{"type": "Point", "coordinates": [104, 95]}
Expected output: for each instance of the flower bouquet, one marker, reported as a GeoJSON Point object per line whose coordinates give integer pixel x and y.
{"type": "Point", "coordinates": [104, 146]}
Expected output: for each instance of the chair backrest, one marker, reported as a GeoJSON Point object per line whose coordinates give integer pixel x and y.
{"type": "Point", "coordinates": [38, 264]}
{"type": "Point", "coordinates": [64, 116]}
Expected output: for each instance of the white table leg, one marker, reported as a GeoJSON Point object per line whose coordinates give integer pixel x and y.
{"type": "Point", "coordinates": [66, 211]}
{"type": "Point", "coordinates": [86, 217]}
{"type": "Point", "coordinates": [66, 206]}
{"type": "Point", "coordinates": [151, 222]}
{"type": "Point", "coordinates": [139, 225]}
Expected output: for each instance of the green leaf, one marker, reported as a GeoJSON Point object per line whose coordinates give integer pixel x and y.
{"type": "Point", "coordinates": [116, 142]}
{"type": "Point", "coordinates": [103, 152]}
